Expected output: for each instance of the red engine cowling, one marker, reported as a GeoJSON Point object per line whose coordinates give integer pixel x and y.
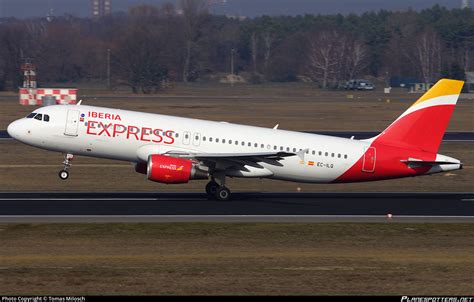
{"type": "Point", "coordinates": [172, 170]}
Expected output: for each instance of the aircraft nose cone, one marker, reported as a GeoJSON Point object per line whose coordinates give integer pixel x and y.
{"type": "Point", "coordinates": [13, 129]}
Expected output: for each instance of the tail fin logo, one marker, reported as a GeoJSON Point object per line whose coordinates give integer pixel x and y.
{"type": "Point", "coordinates": [423, 125]}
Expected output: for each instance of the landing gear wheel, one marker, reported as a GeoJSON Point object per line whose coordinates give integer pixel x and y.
{"type": "Point", "coordinates": [63, 174]}
{"type": "Point", "coordinates": [211, 188]}
{"type": "Point", "coordinates": [222, 194]}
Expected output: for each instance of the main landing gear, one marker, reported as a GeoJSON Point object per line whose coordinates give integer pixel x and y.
{"type": "Point", "coordinates": [64, 173]}
{"type": "Point", "coordinates": [218, 191]}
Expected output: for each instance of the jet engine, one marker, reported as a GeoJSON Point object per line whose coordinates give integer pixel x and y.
{"type": "Point", "coordinates": [172, 170]}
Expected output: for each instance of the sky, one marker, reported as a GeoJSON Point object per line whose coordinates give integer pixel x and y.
{"type": "Point", "coordinates": [249, 8]}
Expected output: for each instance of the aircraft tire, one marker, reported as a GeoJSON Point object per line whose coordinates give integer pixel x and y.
{"type": "Point", "coordinates": [211, 188]}
{"type": "Point", "coordinates": [223, 194]}
{"type": "Point", "coordinates": [63, 174]}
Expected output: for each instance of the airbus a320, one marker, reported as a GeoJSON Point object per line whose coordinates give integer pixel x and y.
{"type": "Point", "coordinates": [174, 150]}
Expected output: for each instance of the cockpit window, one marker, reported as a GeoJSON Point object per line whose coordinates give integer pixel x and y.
{"type": "Point", "coordinates": [31, 115]}
{"type": "Point", "coordinates": [46, 118]}
{"type": "Point", "coordinates": [39, 117]}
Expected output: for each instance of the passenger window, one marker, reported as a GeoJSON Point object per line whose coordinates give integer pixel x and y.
{"type": "Point", "coordinates": [223, 140]}
{"type": "Point", "coordinates": [320, 153]}
{"type": "Point", "coordinates": [255, 145]}
{"type": "Point", "coordinates": [345, 156]}
{"type": "Point", "coordinates": [262, 146]}
{"type": "Point", "coordinates": [339, 156]}
{"type": "Point", "coordinates": [332, 154]}
{"type": "Point", "coordinates": [294, 149]}
{"type": "Point", "coordinates": [31, 115]}
{"type": "Point", "coordinates": [243, 143]}
{"type": "Point", "coordinates": [46, 118]}
{"type": "Point", "coordinates": [314, 152]}
{"type": "Point", "coordinates": [230, 141]}
{"type": "Point", "coordinates": [210, 139]}
{"type": "Point", "coordinates": [307, 151]}
{"type": "Point", "coordinates": [281, 148]}
{"type": "Point", "coordinates": [217, 140]}
{"type": "Point", "coordinates": [326, 154]}
{"type": "Point", "coordinates": [176, 134]}
{"type": "Point", "coordinates": [186, 136]}
{"type": "Point", "coordinates": [250, 144]}
{"type": "Point", "coordinates": [236, 142]}
{"type": "Point", "coordinates": [39, 117]}
{"type": "Point", "coordinates": [274, 147]}
{"type": "Point", "coordinates": [204, 138]}
{"type": "Point", "coordinates": [288, 149]}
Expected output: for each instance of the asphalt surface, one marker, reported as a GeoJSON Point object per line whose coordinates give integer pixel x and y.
{"type": "Point", "coordinates": [448, 136]}
{"type": "Point", "coordinates": [245, 207]}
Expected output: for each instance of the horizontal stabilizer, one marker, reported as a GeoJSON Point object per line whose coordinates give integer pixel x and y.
{"type": "Point", "coordinates": [419, 162]}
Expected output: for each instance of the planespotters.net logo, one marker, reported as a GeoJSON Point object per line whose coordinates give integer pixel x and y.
{"type": "Point", "coordinates": [437, 299]}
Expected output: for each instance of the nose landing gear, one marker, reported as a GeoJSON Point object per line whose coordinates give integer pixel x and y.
{"type": "Point", "coordinates": [64, 173]}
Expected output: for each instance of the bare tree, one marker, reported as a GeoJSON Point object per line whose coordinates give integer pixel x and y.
{"type": "Point", "coordinates": [268, 39]}
{"type": "Point", "coordinates": [466, 59]}
{"type": "Point", "coordinates": [323, 58]}
{"type": "Point", "coordinates": [194, 12]}
{"type": "Point", "coordinates": [356, 55]}
{"type": "Point", "coordinates": [254, 50]}
{"type": "Point", "coordinates": [428, 54]}
{"type": "Point", "coordinates": [139, 61]}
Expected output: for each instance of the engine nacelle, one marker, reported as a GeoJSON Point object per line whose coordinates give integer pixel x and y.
{"type": "Point", "coordinates": [172, 170]}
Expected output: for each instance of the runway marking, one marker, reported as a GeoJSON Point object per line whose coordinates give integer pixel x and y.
{"type": "Point", "coordinates": [59, 165]}
{"type": "Point", "coordinates": [467, 199]}
{"type": "Point", "coordinates": [238, 216]}
{"type": "Point", "coordinates": [75, 199]}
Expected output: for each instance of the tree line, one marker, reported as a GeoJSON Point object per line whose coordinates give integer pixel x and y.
{"type": "Point", "coordinates": [150, 45]}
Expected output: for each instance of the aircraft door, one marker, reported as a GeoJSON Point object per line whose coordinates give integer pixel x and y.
{"type": "Point", "coordinates": [370, 156]}
{"type": "Point", "coordinates": [196, 139]}
{"type": "Point", "coordinates": [72, 123]}
{"type": "Point", "coordinates": [186, 138]}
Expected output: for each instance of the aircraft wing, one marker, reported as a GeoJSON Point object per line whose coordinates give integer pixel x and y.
{"type": "Point", "coordinates": [248, 156]}
{"type": "Point", "coordinates": [236, 161]}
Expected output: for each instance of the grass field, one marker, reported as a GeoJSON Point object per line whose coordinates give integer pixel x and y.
{"type": "Point", "coordinates": [293, 106]}
{"type": "Point", "coordinates": [207, 258]}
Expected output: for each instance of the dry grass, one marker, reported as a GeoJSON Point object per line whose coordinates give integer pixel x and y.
{"type": "Point", "coordinates": [207, 258]}
{"type": "Point", "coordinates": [293, 106]}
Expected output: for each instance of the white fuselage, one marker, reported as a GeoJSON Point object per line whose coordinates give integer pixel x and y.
{"type": "Point", "coordinates": [133, 136]}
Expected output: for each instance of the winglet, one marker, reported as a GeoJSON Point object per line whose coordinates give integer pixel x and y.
{"type": "Point", "coordinates": [276, 127]}
{"type": "Point", "coordinates": [79, 103]}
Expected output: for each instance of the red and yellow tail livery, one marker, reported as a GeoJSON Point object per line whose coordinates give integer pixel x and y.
{"type": "Point", "coordinates": [409, 146]}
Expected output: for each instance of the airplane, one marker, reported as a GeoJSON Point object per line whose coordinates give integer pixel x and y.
{"type": "Point", "coordinates": [175, 150]}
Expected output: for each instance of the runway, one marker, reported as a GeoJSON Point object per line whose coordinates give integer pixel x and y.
{"type": "Point", "coordinates": [448, 136]}
{"type": "Point", "coordinates": [245, 207]}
